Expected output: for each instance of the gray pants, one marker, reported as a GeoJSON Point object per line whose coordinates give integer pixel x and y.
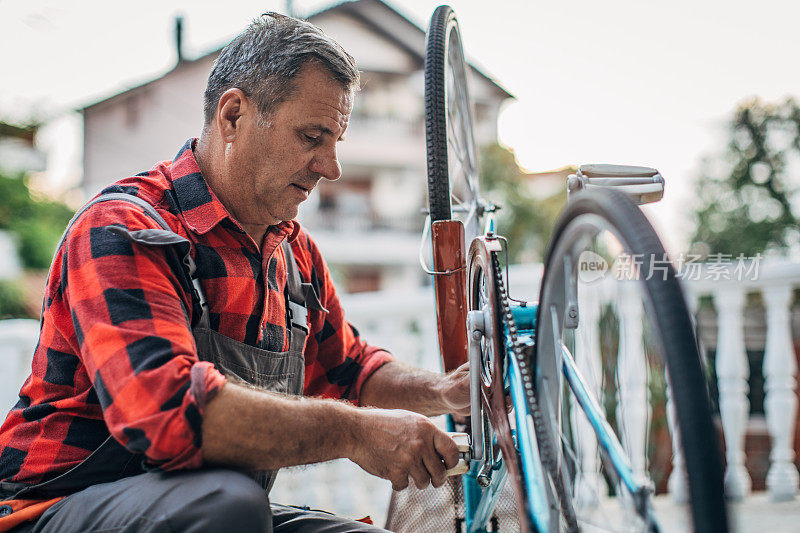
{"type": "Point", "coordinates": [205, 500]}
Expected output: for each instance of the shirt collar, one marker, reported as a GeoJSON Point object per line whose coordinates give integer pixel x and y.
{"type": "Point", "coordinates": [201, 208]}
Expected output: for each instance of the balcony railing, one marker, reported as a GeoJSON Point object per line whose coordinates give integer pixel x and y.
{"type": "Point", "coordinates": [404, 322]}
{"type": "Point", "coordinates": [392, 125]}
{"type": "Point", "coordinates": [775, 283]}
{"type": "Point", "coordinates": [341, 221]}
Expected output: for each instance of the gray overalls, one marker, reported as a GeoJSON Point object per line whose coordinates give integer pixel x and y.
{"type": "Point", "coordinates": [281, 372]}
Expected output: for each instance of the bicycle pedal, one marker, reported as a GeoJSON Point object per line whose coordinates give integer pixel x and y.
{"type": "Point", "coordinates": [461, 468]}
{"type": "Point", "coordinates": [462, 441]}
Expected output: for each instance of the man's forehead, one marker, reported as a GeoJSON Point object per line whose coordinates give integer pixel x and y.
{"type": "Point", "coordinates": [328, 98]}
{"type": "Point", "coordinates": [324, 109]}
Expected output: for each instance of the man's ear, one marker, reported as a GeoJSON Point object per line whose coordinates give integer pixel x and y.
{"type": "Point", "coordinates": [232, 105]}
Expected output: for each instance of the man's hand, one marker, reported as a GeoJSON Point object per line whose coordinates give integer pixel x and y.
{"type": "Point", "coordinates": [398, 445]}
{"type": "Point", "coordinates": [454, 389]}
{"type": "Point", "coordinates": [399, 386]}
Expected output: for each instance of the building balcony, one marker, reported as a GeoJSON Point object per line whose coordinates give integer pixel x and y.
{"type": "Point", "coordinates": [384, 142]}
{"type": "Point", "coordinates": [332, 220]}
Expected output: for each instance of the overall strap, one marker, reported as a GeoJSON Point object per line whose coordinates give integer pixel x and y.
{"type": "Point", "coordinates": [297, 305]}
{"type": "Point", "coordinates": [162, 237]}
{"type": "Point", "coordinates": [296, 301]}
{"type": "Point", "coordinates": [300, 298]}
{"type": "Point", "coordinates": [149, 209]}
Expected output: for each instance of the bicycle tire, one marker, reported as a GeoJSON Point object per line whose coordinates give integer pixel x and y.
{"type": "Point", "coordinates": [448, 125]}
{"type": "Point", "coordinates": [664, 304]}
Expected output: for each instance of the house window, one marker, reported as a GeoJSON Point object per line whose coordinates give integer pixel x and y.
{"type": "Point", "coordinates": [362, 279]}
{"type": "Point", "coordinates": [349, 197]}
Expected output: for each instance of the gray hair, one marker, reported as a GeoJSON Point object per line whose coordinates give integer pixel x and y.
{"type": "Point", "coordinates": [265, 58]}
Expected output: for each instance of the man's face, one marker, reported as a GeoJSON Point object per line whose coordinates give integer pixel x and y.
{"type": "Point", "coordinates": [278, 159]}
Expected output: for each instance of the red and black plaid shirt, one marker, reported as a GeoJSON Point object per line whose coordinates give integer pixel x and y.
{"type": "Point", "coordinates": [116, 352]}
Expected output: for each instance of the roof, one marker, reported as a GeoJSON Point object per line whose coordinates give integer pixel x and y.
{"type": "Point", "coordinates": [370, 11]}
{"type": "Point", "coordinates": [376, 14]}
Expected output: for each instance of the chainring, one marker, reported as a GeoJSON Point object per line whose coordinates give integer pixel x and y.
{"type": "Point", "coordinates": [486, 291]}
{"type": "Point", "coordinates": [483, 294]}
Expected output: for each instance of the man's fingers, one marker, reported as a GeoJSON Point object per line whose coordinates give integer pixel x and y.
{"type": "Point", "coordinates": [435, 467]}
{"type": "Point", "coordinates": [420, 475]}
{"type": "Point", "coordinates": [405, 447]}
{"type": "Point", "coordinates": [446, 448]}
{"type": "Point", "coordinates": [462, 413]}
{"type": "Point", "coordinates": [399, 485]}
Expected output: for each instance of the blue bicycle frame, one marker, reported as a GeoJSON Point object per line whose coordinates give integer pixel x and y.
{"type": "Point", "coordinates": [480, 501]}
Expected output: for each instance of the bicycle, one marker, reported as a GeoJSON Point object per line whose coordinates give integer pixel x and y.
{"type": "Point", "coordinates": [550, 413]}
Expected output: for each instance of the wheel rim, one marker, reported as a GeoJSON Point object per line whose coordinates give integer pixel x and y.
{"type": "Point", "coordinates": [606, 305]}
{"type": "Point", "coordinates": [461, 154]}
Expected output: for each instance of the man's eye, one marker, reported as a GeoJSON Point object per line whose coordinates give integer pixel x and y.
{"type": "Point", "coordinates": [310, 138]}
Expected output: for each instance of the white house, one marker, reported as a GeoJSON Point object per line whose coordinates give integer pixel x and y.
{"type": "Point", "coordinates": [18, 151]}
{"type": "Point", "coordinates": [368, 223]}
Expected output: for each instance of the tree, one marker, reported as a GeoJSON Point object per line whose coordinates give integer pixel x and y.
{"type": "Point", "coordinates": [745, 198]}
{"type": "Point", "coordinates": [36, 222]}
{"type": "Point", "coordinates": [523, 218]}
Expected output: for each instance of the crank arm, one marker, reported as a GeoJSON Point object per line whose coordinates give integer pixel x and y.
{"type": "Point", "coordinates": [475, 332]}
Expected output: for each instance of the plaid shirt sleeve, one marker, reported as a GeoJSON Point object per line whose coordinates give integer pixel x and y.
{"type": "Point", "coordinates": [132, 333]}
{"type": "Point", "coordinates": [338, 360]}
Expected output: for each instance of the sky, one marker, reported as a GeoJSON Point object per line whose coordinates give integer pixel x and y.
{"type": "Point", "coordinates": [616, 81]}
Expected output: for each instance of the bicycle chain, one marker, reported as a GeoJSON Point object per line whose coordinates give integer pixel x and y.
{"type": "Point", "coordinates": [548, 454]}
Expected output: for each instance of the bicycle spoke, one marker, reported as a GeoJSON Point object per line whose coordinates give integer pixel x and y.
{"type": "Point", "coordinates": [584, 501]}
{"type": "Point", "coordinates": [461, 203]}
{"type": "Point", "coordinates": [459, 151]}
{"type": "Point", "coordinates": [459, 141]}
{"type": "Point", "coordinates": [467, 203]}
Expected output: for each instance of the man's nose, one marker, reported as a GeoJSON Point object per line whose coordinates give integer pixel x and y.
{"type": "Point", "coordinates": [326, 164]}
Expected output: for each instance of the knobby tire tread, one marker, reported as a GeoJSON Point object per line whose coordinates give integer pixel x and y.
{"type": "Point", "coordinates": [436, 113]}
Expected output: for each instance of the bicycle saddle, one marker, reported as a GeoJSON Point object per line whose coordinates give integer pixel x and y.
{"type": "Point", "coordinates": [642, 184]}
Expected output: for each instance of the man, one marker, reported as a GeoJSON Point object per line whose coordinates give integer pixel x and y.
{"type": "Point", "coordinates": [174, 326]}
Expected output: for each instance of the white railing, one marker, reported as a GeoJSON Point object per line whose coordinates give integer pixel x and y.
{"type": "Point", "coordinates": [344, 221]}
{"type": "Point", "coordinates": [404, 322]}
{"type": "Point", "coordinates": [373, 124]}
{"type": "Point", "coordinates": [17, 342]}
{"type": "Point", "coordinates": [775, 281]}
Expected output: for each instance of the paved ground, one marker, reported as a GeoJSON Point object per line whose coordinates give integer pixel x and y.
{"type": "Point", "coordinates": [758, 514]}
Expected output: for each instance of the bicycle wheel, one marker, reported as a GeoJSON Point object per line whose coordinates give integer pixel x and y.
{"type": "Point", "coordinates": [452, 158]}
{"type": "Point", "coordinates": [613, 336]}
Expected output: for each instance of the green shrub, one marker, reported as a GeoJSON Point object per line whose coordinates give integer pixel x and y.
{"type": "Point", "coordinates": [37, 222]}
{"type": "Point", "coordinates": [12, 301]}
